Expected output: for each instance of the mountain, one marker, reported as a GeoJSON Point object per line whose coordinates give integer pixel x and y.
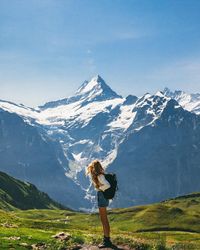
{"type": "Point", "coordinates": [141, 137]}
{"type": "Point", "coordinates": [94, 90]}
{"type": "Point", "coordinates": [160, 160]}
{"type": "Point", "coordinates": [23, 195]}
{"type": "Point", "coordinates": [81, 122]}
{"type": "Point", "coordinates": [29, 154]}
{"type": "Point", "coordinates": [76, 122]}
{"type": "Point", "coordinates": [190, 102]}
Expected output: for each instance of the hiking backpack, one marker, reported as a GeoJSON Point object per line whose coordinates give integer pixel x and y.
{"type": "Point", "coordinates": [110, 192]}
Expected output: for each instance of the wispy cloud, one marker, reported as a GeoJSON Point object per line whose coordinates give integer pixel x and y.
{"type": "Point", "coordinates": [90, 62]}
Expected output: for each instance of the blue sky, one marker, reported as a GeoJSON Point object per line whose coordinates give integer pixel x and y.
{"type": "Point", "coordinates": [49, 47]}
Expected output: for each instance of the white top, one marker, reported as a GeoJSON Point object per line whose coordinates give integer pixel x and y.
{"type": "Point", "coordinates": [105, 184]}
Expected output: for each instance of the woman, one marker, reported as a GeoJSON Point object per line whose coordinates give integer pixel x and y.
{"type": "Point", "coordinates": [96, 171]}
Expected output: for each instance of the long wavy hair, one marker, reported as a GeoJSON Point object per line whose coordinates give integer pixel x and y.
{"type": "Point", "coordinates": [94, 169]}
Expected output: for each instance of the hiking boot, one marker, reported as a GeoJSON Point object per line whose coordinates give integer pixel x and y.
{"type": "Point", "coordinates": [106, 243]}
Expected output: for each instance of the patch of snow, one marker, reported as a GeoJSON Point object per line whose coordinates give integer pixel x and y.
{"type": "Point", "coordinates": [125, 118]}
{"type": "Point", "coordinates": [90, 85]}
{"type": "Point", "coordinates": [19, 109]}
{"type": "Point", "coordinates": [110, 157]}
{"type": "Point", "coordinates": [159, 93]}
{"type": "Point", "coordinates": [77, 157]}
{"type": "Point", "coordinates": [177, 106]}
{"type": "Point", "coordinates": [74, 112]}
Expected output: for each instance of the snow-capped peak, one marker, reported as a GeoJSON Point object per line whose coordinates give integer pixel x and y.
{"type": "Point", "coordinates": [190, 102]}
{"type": "Point", "coordinates": [159, 93]}
{"type": "Point", "coordinates": [177, 94]}
{"type": "Point", "coordinates": [87, 86]}
{"type": "Point", "coordinates": [96, 87]}
{"type": "Point", "coordinates": [94, 90]}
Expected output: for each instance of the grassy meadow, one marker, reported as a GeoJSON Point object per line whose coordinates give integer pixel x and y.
{"type": "Point", "coordinates": [172, 224]}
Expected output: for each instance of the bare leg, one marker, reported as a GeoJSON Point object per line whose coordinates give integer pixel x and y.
{"type": "Point", "coordinates": [104, 221]}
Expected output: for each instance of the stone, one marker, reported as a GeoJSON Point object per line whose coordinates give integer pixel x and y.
{"type": "Point", "coordinates": [62, 236]}
{"type": "Point", "coordinates": [39, 246]}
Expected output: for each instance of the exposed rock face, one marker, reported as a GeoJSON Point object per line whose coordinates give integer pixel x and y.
{"type": "Point", "coordinates": [160, 160]}
{"type": "Point", "coordinates": [30, 156]}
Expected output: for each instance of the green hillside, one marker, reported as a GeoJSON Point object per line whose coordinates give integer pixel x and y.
{"type": "Point", "coordinates": [172, 224]}
{"type": "Point", "coordinates": [179, 214]}
{"type": "Point", "coordinates": [23, 195]}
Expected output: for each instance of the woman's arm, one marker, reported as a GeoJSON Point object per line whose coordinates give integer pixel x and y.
{"type": "Point", "coordinates": [105, 184]}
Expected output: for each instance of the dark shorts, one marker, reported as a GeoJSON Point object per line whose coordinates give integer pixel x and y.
{"type": "Point", "coordinates": [101, 200]}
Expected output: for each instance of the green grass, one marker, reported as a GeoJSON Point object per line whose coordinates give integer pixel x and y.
{"type": "Point", "coordinates": [173, 224]}
{"type": "Point", "coordinates": [23, 195]}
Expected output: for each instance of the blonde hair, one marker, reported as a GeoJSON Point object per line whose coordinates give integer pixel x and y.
{"type": "Point", "coordinates": [94, 169]}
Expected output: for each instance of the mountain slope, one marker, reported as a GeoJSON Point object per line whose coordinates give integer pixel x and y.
{"type": "Point", "coordinates": [23, 195]}
{"type": "Point", "coordinates": [160, 160]}
{"type": "Point", "coordinates": [30, 155]}
{"type": "Point", "coordinates": [178, 214]}
{"type": "Point", "coordinates": [81, 123]}
{"type": "Point", "coordinates": [190, 102]}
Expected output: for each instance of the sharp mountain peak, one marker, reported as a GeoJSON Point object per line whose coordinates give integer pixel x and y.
{"type": "Point", "coordinates": [97, 86]}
